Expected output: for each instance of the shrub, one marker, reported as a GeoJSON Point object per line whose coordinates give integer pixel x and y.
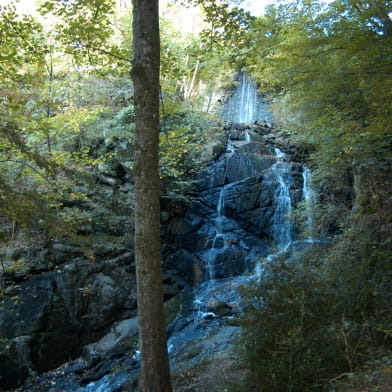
{"type": "Point", "coordinates": [302, 326]}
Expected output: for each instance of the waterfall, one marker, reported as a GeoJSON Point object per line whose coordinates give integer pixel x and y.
{"type": "Point", "coordinates": [308, 199]}
{"type": "Point", "coordinates": [245, 104]}
{"type": "Point", "coordinates": [202, 297]}
{"type": "Point", "coordinates": [228, 248]}
{"type": "Point", "coordinates": [281, 227]}
{"type": "Point", "coordinates": [229, 146]}
{"type": "Point", "coordinates": [247, 99]}
{"type": "Point", "coordinates": [220, 207]}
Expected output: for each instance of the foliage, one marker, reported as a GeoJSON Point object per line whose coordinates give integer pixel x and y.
{"type": "Point", "coordinates": [228, 24]}
{"type": "Point", "coordinates": [329, 67]}
{"type": "Point", "coordinates": [312, 318]}
{"type": "Point", "coordinates": [316, 316]}
{"type": "Point", "coordinates": [86, 29]}
{"type": "Point", "coordinates": [43, 117]}
{"type": "Point", "coordinates": [185, 132]}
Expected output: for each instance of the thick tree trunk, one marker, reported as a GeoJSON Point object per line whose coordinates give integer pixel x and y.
{"type": "Point", "coordinates": [145, 75]}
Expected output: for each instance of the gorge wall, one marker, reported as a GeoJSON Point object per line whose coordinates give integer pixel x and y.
{"type": "Point", "coordinates": [66, 301]}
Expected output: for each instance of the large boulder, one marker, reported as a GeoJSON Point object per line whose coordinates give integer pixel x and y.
{"type": "Point", "coordinates": [230, 262]}
{"type": "Point", "coordinates": [14, 361]}
{"type": "Point", "coordinates": [249, 159]}
{"type": "Point", "coordinates": [50, 317]}
{"type": "Point", "coordinates": [117, 340]}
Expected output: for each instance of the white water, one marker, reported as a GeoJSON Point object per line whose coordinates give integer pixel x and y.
{"type": "Point", "coordinates": [220, 208]}
{"type": "Point", "coordinates": [281, 226]}
{"type": "Point", "coordinates": [229, 146]}
{"type": "Point", "coordinates": [245, 105]}
{"type": "Point", "coordinates": [248, 99]}
{"type": "Point", "coordinates": [202, 296]}
{"type": "Point", "coordinates": [247, 137]}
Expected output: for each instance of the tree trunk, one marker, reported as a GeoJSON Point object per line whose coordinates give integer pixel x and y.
{"type": "Point", "coordinates": [145, 75]}
{"type": "Point", "coordinates": [382, 14]}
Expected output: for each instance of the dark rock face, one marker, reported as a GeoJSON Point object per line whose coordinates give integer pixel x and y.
{"type": "Point", "coordinates": [232, 223]}
{"type": "Point", "coordinates": [53, 315]}
{"type": "Point", "coordinates": [14, 361]}
{"type": "Point", "coordinates": [230, 262]}
{"type": "Point", "coordinates": [73, 302]}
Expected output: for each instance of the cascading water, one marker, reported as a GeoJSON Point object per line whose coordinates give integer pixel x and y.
{"type": "Point", "coordinates": [248, 97]}
{"type": "Point", "coordinates": [224, 290]}
{"type": "Point", "coordinates": [220, 211]}
{"type": "Point", "coordinates": [229, 146]}
{"type": "Point", "coordinates": [281, 226]}
{"type": "Point", "coordinates": [245, 104]}
{"type": "Point", "coordinates": [202, 295]}
{"type": "Point", "coordinates": [224, 234]}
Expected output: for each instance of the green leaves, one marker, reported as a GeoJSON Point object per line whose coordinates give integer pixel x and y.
{"type": "Point", "coordinates": [328, 68]}
{"type": "Point", "coordinates": [314, 315]}
{"type": "Point", "coordinates": [86, 28]}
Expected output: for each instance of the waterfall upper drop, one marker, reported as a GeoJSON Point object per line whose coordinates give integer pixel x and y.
{"type": "Point", "coordinates": [245, 104]}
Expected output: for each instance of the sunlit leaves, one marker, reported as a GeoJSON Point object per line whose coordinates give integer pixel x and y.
{"type": "Point", "coordinates": [36, 173]}
{"type": "Point", "coordinates": [331, 66]}
{"type": "Point", "coordinates": [87, 30]}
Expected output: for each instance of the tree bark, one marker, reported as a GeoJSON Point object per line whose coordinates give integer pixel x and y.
{"type": "Point", "coordinates": [145, 74]}
{"type": "Point", "coordinates": [382, 14]}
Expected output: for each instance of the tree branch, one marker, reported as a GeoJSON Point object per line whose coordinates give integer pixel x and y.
{"type": "Point", "coordinates": [111, 54]}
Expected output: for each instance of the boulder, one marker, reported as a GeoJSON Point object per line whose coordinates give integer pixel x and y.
{"type": "Point", "coordinates": [183, 266]}
{"type": "Point", "coordinates": [15, 361]}
{"type": "Point", "coordinates": [230, 262]}
{"type": "Point", "coordinates": [59, 312]}
{"type": "Point", "coordinates": [117, 340]}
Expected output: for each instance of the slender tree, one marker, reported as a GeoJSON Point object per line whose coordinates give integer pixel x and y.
{"type": "Point", "coordinates": [145, 75]}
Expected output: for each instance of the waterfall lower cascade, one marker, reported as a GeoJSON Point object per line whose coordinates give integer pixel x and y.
{"type": "Point", "coordinates": [239, 222]}
{"type": "Point", "coordinates": [281, 226]}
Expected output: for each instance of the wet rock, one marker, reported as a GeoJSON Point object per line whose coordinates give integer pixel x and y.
{"type": "Point", "coordinates": [183, 266]}
{"type": "Point", "coordinates": [14, 361]}
{"type": "Point", "coordinates": [60, 311]}
{"type": "Point", "coordinates": [183, 225]}
{"type": "Point", "coordinates": [117, 340]}
{"type": "Point", "coordinates": [222, 308]}
{"type": "Point", "coordinates": [230, 262]}
{"type": "Point", "coordinates": [131, 384]}
{"type": "Point", "coordinates": [165, 216]}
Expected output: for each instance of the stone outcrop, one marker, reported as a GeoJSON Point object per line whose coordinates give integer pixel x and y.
{"type": "Point", "coordinates": [71, 298]}
{"type": "Point", "coordinates": [51, 316]}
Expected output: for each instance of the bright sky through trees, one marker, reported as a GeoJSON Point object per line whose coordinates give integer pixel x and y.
{"type": "Point", "coordinates": [25, 6]}
{"type": "Point", "coordinates": [256, 7]}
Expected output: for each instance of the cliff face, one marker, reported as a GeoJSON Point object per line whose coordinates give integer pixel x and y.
{"type": "Point", "coordinates": [69, 295]}
{"type": "Point", "coordinates": [76, 296]}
